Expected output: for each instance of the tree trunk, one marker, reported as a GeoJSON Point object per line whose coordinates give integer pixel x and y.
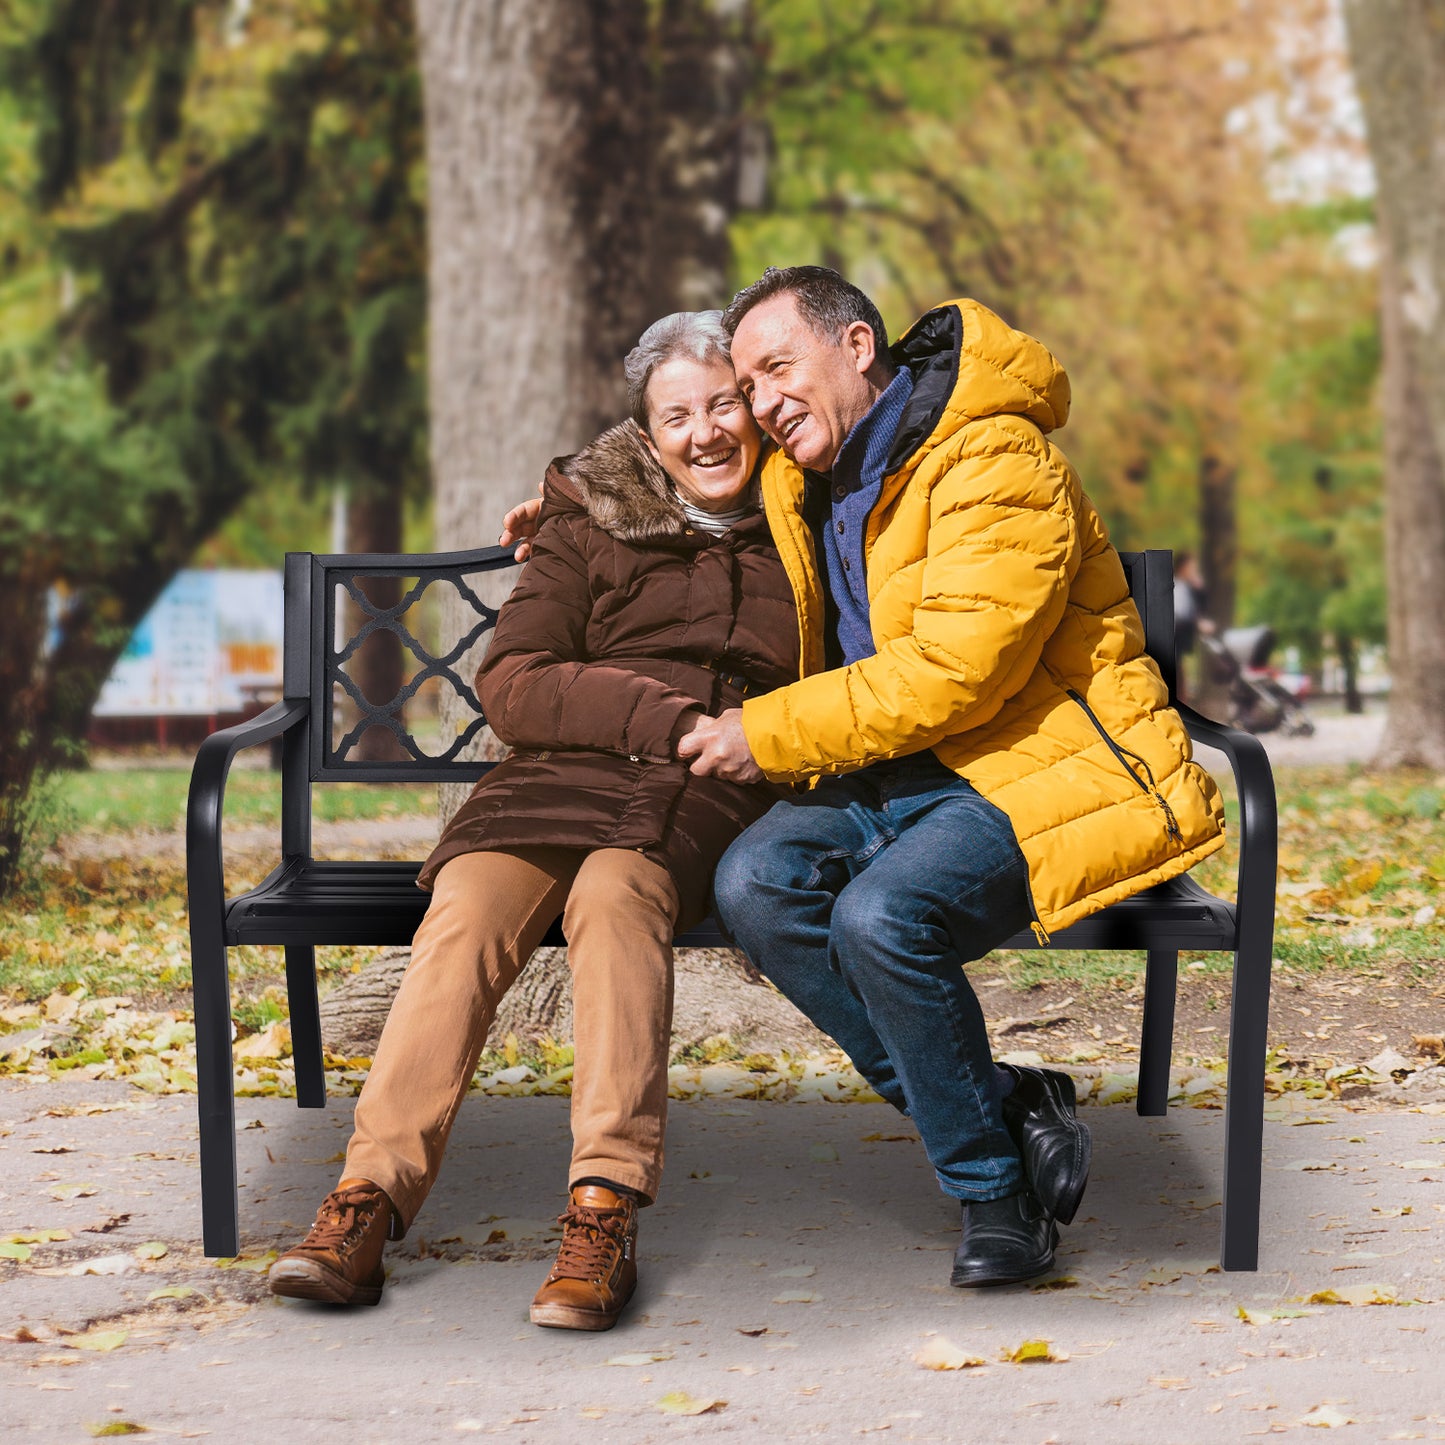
{"type": "Point", "coordinates": [575, 195]}
{"type": "Point", "coordinates": [703, 147]}
{"type": "Point", "coordinates": [1218, 537]}
{"type": "Point", "coordinates": [538, 231]}
{"type": "Point", "coordinates": [1218, 553]}
{"type": "Point", "coordinates": [1398, 51]}
{"type": "Point", "coordinates": [1349, 655]}
{"type": "Point", "coordinates": [713, 997]}
{"type": "Point", "coordinates": [373, 524]}
{"type": "Point", "coordinates": [1414, 550]}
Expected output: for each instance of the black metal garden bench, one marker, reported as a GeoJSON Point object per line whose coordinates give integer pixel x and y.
{"type": "Point", "coordinates": [306, 902]}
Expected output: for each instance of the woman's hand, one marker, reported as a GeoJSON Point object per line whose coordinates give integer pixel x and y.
{"type": "Point", "coordinates": [718, 746]}
{"type": "Point", "coordinates": [520, 526]}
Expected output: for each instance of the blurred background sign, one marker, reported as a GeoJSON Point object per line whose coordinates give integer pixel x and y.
{"type": "Point", "coordinates": [210, 645]}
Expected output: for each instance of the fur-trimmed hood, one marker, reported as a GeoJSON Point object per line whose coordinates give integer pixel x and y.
{"type": "Point", "coordinates": [622, 486]}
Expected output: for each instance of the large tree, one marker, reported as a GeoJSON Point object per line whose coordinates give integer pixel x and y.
{"type": "Point", "coordinates": [1398, 50]}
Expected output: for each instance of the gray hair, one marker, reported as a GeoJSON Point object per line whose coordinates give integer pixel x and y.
{"type": "Point", "coordinates": [695, 335]}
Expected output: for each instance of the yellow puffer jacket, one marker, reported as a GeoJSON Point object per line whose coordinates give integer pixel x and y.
{"type": "Point", "coordinates": [1007, 639]}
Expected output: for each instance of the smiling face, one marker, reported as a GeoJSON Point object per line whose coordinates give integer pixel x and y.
{"type": "Point", "coordinates": [806, 391]}
{"type": "Point", "coordinates": [701, 432]}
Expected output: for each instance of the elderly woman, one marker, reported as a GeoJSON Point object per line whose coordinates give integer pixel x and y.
{"type": "Point", "coordinates": [654, 597]}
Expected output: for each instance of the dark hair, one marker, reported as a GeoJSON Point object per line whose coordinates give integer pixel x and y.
{"type": "Point", "coordinates": [824, 300]}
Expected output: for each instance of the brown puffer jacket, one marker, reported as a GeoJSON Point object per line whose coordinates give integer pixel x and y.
{"type": "Point", "coordinates": [626, 620]}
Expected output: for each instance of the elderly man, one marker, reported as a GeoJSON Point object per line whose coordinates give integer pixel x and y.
{"type": "Point", "coordinates": [989, 746]}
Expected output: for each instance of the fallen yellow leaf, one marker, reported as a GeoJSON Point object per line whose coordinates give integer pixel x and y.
{"type": "Point", "coordinates": [679, 1402]}
{"type": "Point", "coordinates": [99, 1340]}
{"type": "Point", "coordinates": [942, 1354]}
{"type": "Point", "coordinates": [1034, 1352]}
{"type": "Point", "coordinates": [273, 1042]}
{"type": "Point", "coordinates": [1356, 1294]}
{"type": "Point", "coordinates": [258, 1265]}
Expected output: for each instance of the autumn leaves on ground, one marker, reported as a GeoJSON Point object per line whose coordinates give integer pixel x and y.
{"type": "Point", "coordinates": [94, 969]}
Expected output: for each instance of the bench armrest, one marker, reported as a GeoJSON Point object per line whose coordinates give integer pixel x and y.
{"type": "Point", "coordinates": [205, 877]}
{"type": "Point", "coordinates": [1258, 822]}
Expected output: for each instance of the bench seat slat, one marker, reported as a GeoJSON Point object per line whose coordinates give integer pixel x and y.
{"type": "Point", "coordinates": [345, 901]}
{"type": "Point", "coordinates": [356, 902]}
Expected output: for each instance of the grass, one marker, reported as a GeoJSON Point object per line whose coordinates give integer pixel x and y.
{"type": "Point", "coordinates": [123, 800]}
{"type": "Point", "coordinates": [1362, 861]}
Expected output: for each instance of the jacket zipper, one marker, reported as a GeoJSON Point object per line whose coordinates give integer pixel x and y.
{"type": "Point", "coordinates": [1123, 754]}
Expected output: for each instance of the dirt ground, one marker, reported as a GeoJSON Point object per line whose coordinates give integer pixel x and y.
{"type": "Point", "coordinates": [1319, 1021]}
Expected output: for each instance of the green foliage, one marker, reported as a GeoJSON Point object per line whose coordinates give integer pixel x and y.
{"type": "Point", "coordinates": [78, 486]}
{"type": "Point", "coordinates": [1314, 561]}
{"type": "Point", "coordinates": [236, 215]}
{"type": "Point", "coordinates": [1080, 167]}
{"type": "Point", "coordinates": [78, 481]}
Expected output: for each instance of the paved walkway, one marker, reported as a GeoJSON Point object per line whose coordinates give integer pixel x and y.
{"type": "Point", "coordinates": [794, 1273]}
{"type": "Point", "coordinates": [1337, 738]}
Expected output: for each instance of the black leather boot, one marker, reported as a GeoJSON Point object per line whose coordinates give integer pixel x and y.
{"type": "Point", "coordinates": [1005, 1241]}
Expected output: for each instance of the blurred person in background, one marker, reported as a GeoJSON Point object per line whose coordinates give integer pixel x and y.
{"type": "Point", "coordinates": [1190, 613]}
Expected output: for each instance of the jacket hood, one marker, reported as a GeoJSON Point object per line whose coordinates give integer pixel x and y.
{"type": "Point", "coordinates": [969, 363]}
{"type": "Point", "coordinates": [620, 484]}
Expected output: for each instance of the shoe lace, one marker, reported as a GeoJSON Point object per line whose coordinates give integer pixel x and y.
{"type": "Point", "coordinates": [341, 1218]}
{"type": "Point", "coordinates": [590, 1241]}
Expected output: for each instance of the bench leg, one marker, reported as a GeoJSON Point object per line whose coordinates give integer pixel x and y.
{"type": "Point", "coordinates": [215, 1091]}
{"type": "Point", "coordinates": [1244, 1103]}
{"type": "Point", "coordinates": [305, 1026]}
{"type": "Point", "coordinates": [1156, 1043]}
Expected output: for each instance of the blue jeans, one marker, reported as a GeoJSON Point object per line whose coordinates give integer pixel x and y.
{"type": "Point", "coordinates": [862, 901]}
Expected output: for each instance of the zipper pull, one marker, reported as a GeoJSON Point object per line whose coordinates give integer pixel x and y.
{"type": "Point", "coordinates": [1171, 823]}
{"type": "Point", "coordinates": [1039, 933]}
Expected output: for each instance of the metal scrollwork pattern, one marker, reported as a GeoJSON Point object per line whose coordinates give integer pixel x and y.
{"type": "Point", "coordinates": [429, 666]}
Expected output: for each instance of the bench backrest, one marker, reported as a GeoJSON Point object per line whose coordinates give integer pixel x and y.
{"type": "Point", "coordinates": [319, 651]}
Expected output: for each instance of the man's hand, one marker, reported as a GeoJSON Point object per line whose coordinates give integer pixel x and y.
{"type": "Point", "coordinates": [717, 746]}
{"type": "Point", "coordinates": [520, 526]}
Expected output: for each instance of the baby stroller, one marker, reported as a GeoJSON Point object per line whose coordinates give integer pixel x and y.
{"type": "Point", "coordinates": [1258, 701]}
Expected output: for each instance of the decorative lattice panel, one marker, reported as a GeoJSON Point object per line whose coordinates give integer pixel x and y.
{"type": "Point", "coordinates": [399, 647]}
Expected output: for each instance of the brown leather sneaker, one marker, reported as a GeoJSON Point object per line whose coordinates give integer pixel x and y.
{"type": "Point", "coordinates": [339, 1261]}
{"type": "Point", "coordinates": [596, 1270]}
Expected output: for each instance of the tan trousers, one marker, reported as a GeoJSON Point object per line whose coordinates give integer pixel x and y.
{"type": "Point", "coordinates": [488, 912]}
